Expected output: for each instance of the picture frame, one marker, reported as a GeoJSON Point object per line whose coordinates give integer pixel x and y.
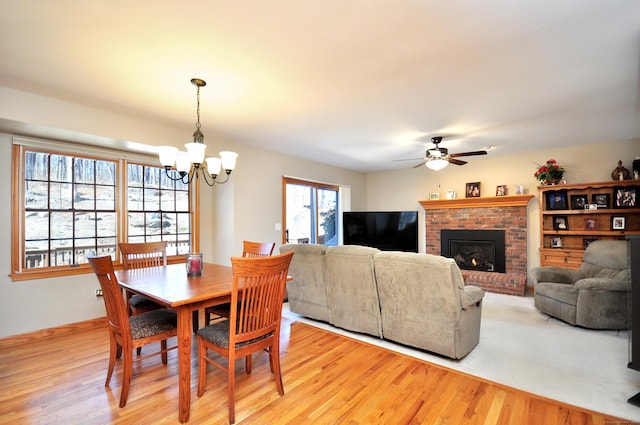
{"type": "Point", "coordinates": [472, 190]}
{"type": "Point", "coordinates": [434, 196]}
{"type": "Point", "coordinates": [560, 222]}
{"type": "Point", "coordinates": [587, 241]}
{"type": "Point", "coordinates": [618, 222]}
{"type": "Point", "coordinates": [578, 202]}
{"type": "Point", "coordinates": [556, 242]}
{"type": "Point", "coordinates": [590, 224]}
{"type": "Point", "coordinates": [624, 197]}
{"type": "Point", "coordinates": [519, 189]}
{"type": "Point", "coordinates": [556, 200]}
{"type": "Point", "coordinates": [602, 200]}
{"type": "Point", "coordinates": [451, 194]}
{"type": "Point", "coordinates": [501, 190]}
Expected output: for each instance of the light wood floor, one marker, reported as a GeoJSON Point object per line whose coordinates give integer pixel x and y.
{"type": "Point", "coordinates": [57, 377]}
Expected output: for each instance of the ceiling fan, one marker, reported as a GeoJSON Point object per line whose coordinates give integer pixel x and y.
{"type": "Point", "coordinates": [438, 158]}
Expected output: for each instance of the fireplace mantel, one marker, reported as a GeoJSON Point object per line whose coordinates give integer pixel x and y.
{"type": "Point", "coordinates": [492, 201]}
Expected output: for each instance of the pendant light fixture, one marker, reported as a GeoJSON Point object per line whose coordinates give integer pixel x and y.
{"type": "Point", "coordinates": [192, 164]}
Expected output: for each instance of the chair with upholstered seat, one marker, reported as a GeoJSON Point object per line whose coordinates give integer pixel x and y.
{"type": "Point", "coordinates": [249, 250]}
{"type": "Point", "coordinates": [258, 287]}
{"type": "Point", "coordinates": [138, 255]}
{"type": "Point", "coordinates": [129, 332]}
{"type": "Point", "coordinates": [595, 296]}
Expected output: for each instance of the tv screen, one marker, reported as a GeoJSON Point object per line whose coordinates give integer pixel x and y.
{"type": "Point", "coordinates": [385, 230]}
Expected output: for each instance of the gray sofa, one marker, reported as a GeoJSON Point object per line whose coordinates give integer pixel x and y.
{"type": "Point", "coordinates": [418, 300]}
{"type": "Point", "coordinates": [595, 295]}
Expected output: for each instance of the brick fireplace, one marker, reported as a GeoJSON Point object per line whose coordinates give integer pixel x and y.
{"type": "Point", "coordinates": [508, 213]}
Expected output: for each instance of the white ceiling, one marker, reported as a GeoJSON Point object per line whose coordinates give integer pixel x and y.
{"type": "Point", "coordinates": [353, 83]}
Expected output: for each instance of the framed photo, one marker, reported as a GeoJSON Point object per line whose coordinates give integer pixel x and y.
{"type": "Point", "coordinates": [560, 222]}
{"type": "Point", "coordinates": [473, 190]}
{"type": "Point", "coordinates": [624, 197]}
{"type": "Point", "coordinates": [590, 224]}
{"type": "Point", "coordinates": [501, 190]}
{"type": "Point", "coordinates": [586, 242]}
{"type": "Point", "coordinates": [601, 200]}
{"type": "Point", "coordinates": [451, 194]}
{"type": "Point", "coordinates": [519, 189]}
{"type": "Point", "coordinates": [618, 222]}
{"type": "Point", "coordinates": [556, 242]}
{"type": "Point", "coordinates": [579, 201]}
{"type": "Point", "coordinates": [434, 196]}
{"type": "Point", "coordinates": [556, 200]}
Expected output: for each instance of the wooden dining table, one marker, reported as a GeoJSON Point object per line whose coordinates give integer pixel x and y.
{"type": "Point", "coordinates": [170, 287]}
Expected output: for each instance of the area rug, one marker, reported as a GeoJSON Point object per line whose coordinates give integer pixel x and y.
{"type": "Point", "coordinates": [525, 349]}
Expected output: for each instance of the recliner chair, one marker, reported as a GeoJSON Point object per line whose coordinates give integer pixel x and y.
{"type": "Point", "coordinates": [594, 296]}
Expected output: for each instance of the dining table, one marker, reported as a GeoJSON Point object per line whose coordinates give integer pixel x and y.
{"type": "Point", "coordinates": [171, 287]}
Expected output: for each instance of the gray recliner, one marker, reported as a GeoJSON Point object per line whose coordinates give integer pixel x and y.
{"type": "Point", "coordinates": [594, 296]}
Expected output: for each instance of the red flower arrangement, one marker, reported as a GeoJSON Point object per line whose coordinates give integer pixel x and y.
{"type": "Point", "coordinates": [549, 171]}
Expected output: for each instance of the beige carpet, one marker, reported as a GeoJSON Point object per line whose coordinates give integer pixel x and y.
{"type": "Point", "coordinates": [523, 348]}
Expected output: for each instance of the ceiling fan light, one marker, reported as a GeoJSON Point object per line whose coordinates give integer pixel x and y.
{"type": "Point", "coordinates": [437, 164]}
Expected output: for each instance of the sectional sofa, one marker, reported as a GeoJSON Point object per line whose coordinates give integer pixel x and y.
{"type": "Point", "coordinates": [418, 300]}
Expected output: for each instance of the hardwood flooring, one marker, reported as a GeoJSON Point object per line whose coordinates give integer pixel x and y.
{"type": "Point", "coordinates": [57, 377]}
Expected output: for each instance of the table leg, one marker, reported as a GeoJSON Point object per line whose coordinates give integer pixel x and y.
{"type": "Point", "coordinates": [184, 362]}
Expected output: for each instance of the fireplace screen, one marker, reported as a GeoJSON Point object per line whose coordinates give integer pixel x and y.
{"type": "Point", "coordinates": [482, 250]}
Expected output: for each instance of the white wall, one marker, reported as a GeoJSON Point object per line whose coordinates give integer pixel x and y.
{"type": "Point", "coordinates": [248, 207]}
{"type": "Point", "coordinates": [401, 190]}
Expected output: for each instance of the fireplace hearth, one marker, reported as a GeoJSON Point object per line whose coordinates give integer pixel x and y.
{"type": "Point", "coordinates": [480, 250]}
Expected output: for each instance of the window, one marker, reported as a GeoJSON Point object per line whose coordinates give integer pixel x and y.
{"type": "Point", "coordinates": [70, 201]}
{"type": "Point", "coordinates": [311, 212]}
{"type": "Point", "coordinates": [158, 208]}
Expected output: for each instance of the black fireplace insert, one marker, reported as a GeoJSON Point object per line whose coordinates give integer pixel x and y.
{"type": "Point", "coordinates": [482, 250]}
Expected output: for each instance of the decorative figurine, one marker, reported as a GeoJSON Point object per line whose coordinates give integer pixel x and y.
{"type": "Point", "coordinates": [620, 173]}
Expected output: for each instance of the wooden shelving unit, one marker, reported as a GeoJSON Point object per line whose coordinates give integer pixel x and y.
{"type": "Point", "coordinates": [566, 227]}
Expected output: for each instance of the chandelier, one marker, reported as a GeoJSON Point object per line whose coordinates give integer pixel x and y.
{"type": "Point", "coordinates": [192, 164]}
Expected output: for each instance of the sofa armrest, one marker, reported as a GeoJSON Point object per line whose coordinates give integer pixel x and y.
{"type": "Point", "coordinates": [602, 284]}
{"type": "Point", "coordinates": [555, 274]}
{"type": "Point", "coordinates": [470, 296]}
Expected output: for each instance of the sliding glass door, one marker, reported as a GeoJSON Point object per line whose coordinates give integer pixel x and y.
{"type": "Point", "coordinates": [310, 212]}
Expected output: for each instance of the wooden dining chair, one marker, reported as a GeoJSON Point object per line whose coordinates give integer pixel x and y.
{"type": "Point", "coordinates": [258, 286]}
{"type": "Point", "coordinates": [249, 250]}
{"type": "Point", "coordinates": [129, 332]}
{"type": "Point", "coordinates": [138, 255]}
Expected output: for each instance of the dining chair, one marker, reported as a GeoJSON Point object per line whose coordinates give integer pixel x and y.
{"type": "Point", "coordinates": [249, 250]}
{"type": "Point", "coordinates": [258, 286]}
{"type": "Point", "coordinates": [129, 332]}
{"type": "Point", "coordinates": [138, 255]}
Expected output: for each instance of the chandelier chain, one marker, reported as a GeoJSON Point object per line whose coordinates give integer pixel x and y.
{"type": "Point", "coordinates": [198, 108]}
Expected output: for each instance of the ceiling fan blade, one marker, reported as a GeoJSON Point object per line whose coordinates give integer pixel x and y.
{"type": "Point", "coordinates": [456, 161]}
{"type": "Point", "coordinates": [420, 164]}
{"type": "Point", "coordinates": [409, 159]}
{"type": "Point", "coordinates": [468, 153]}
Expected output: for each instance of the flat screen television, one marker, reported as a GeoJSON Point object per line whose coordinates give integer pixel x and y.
{"type": "Point", "coordinates": [385, 230]}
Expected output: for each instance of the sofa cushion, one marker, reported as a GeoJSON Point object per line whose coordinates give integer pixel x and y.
{"type": "Point", "coordinates": [420, 280]}
{"type": "Point", "coordinates": [307, 292]}
{"type": "Point", "coordinates": [352, 290]}
{"type": "Point", "coordinates": [608, 254]}
{"type": "Point", "coordinates": [557, 299]}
